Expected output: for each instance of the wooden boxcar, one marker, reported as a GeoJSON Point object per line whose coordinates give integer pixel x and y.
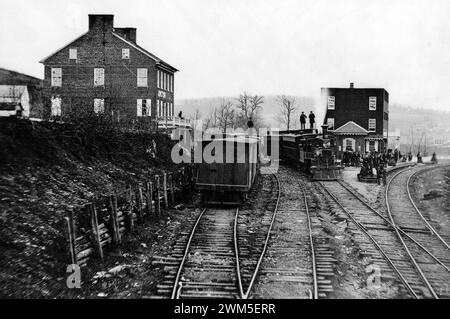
{"type": "Point", "coordinates": [229, 173]}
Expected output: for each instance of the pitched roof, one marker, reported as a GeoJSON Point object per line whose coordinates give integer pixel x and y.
{"type": "Point", "coordinates": [350, 128]}
{"type": "Point", "coordinates": [134, 45]}
{"type": "Point", "coordinates": [62, 48]}
{"type": "Point", "coordinates": [9, 77]}
{"type": "Point", "coordinates": [142, 50]}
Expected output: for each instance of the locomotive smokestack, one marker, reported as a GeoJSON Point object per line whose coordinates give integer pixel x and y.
{"type": "Point", "coordinates": [324, 130]}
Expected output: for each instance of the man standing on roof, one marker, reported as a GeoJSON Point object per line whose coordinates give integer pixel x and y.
{"type": "Point", "coordinates": [312, 120]}
{"type": "Point", "coordinates": [302, 121]}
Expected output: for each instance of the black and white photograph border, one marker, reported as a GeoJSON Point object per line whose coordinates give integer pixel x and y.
{"type": "Point", "coordinates": [303, 151]}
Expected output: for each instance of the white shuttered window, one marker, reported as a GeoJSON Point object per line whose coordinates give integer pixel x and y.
{"type": "Point", "coordinates": [99, 106]}
{"type": "Point", "coordinates": [73, 54]}
{"type": "Point", "coordinates": [144, 107]}
{"type": "Point", "coordinates": [372, 124]}
{"type": "Point", "coordinates": [142, 77]}
{"type": "Point", "coordinates": [56, 106]}
{"type": "Point", "coordinates": [56, 76]}
{"type": "Point", "coordinates": [125, 53]}
{"type": "Point", "coordinates": [99, 76]}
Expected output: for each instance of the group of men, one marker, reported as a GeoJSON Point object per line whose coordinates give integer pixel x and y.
{"type": "Point", "coordinates": [312, 120]}
{"type": "Point", "coordinates": [377, 161]}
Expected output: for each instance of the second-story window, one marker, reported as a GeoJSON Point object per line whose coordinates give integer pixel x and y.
{"type": "Point", "coordinates": [330, 122]}
{"type": "Point", "coordinates": [372, 103]}
{"type": "Point", "coordinates": [73, 54]}
{"type": "Point", "coordinates": [157, 79]}
{"type": "Point", "coordinates": [372, 125]}
{"type": "Point", "coordinates": [331, 102]}
{"type": "Point", "coordinates": [125, 54]}
{"type": "Point", "coordinates": [56, 76]}
{"type": "Point", "coordinates": [99, 77]}
{"type": "Point", "coordinates": [142, 77]}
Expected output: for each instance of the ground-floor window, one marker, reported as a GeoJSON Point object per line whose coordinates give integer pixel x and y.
{"type": "Point", "coordinates": [372, 146]}
{"type": "Point", "coordinates": [56, 106]}
{"type": "Point", "coordinates": [144, 107]}
{"type": "Point", "coordinates": [99, 106]}
{"type": "Point", "coordinates": [349, 144]}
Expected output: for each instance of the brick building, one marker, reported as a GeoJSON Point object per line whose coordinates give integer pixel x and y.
{"type": "Point", "coordinates": [358, 117]}
{"type": "Point", "coordinates": [106, 71]}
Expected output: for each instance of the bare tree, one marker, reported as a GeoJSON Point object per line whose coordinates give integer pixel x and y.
{"type": "Point", "coordinates": [211, 119]}
{"type": "Point", "coordinates": [225, 115]}
{"type": "Point", "coordinates": [288, 109]}
{"type": "Point", "coordinates": [249, 106]}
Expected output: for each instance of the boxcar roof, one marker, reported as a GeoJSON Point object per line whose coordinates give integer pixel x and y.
{"type": "Point", "coordinates": [239, 139]}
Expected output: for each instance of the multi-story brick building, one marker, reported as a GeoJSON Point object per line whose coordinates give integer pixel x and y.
{"type": "Point", "coordinates": [358, 117]}
{"type": "Point", "coordinates": [106, 71]}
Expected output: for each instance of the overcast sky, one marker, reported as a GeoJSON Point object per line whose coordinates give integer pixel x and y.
{"type": "Point", "coordinates": [261, 46]}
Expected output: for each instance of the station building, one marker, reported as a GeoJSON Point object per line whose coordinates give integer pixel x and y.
{"type": "Point", "coordinates": [358, 117]}
{"type": "Point", "coordinates": [106, 71]}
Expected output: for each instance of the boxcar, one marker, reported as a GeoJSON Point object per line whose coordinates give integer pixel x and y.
{"type": "Point", "coordinates": [229, 174]}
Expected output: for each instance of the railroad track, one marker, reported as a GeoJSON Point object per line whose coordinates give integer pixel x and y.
{"type": "Point", "coordinates": [220, 257]}
{"type": "Point", "coordinates": [404, 214]}
{"type": "Point", "coordinates": [384, 243]}
{"type": "Point", "coordinates": [445, 239]}
{"type": "Point", "coordinates": [299, 261]}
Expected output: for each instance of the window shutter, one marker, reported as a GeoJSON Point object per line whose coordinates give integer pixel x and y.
{"type": "Point", "coordinates": [149, 107]}
{"type": "Point", "coordinates": [99, 76]}
{"type": "Point", "coordinates": [139, 107]}
{"type": "Point", "coordinates": [56, 76]}
{"type": "Point", "coordinates": [141, 77]}
{"type": "Point", "coordinates": [125, 53]}
{"type": "Point", "coordinates": [73, 54]}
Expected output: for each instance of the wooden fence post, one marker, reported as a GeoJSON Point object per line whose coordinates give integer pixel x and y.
{"type": "Point", "coordinates": [166, 202]}
{"type": "Point", "coordinates": [141, 205]}
{"type": "Point", "coordinates": [95, 232]}
{"type": "Point", "coordinates": [72, 238]}
{"type": "Point", "coordinates": [172, 189]}
{"type": "Point", "coordinates": [130, 209]}
{"type": "Point", "coordinates": [182, 179]}
{"type": "Point", "coordinates": [114, 224]}
{"type": "Point", "coordinates": [157, 199]}
{"type": "Point", "coordinates": [149, 190]}
{"type": "Point", "coordinates": [116, 213]}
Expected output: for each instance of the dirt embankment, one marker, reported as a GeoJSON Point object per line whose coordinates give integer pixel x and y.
{"type": "Point", "coordinates": [47, 169]}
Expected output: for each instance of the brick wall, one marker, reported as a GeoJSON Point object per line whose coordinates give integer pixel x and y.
{"type": "Point", "coordinates": [99, 48]}
{"type": "Point", "coordinates": [353, 105]}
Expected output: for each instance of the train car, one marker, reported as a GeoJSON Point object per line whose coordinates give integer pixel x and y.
{"type": "Point", "coordinates": [311, 152]}
{"type": "Point", "coordinates": [228, 169]}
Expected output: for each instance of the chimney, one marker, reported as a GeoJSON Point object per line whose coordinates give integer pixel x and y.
{"type": "Point", "coordinates": [127, 33]}
{"type": "Point", "coordinates": [101, 22]}
{"type": "Point", "coordinates": [352, 85]}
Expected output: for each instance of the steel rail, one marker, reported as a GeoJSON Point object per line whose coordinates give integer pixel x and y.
{"type": "Point", "coordinates": [416, 265]}
{"type": "Point", "coordinates": [429, 226]}
{"type": "Point", "coordinates": [244, 295]}
{"type": "Point", "coordinates": [364, 230]}
{"type": "Point", "coordinates": [177, 285]}
{"type": "Point", "coordinates": [436, 259]}
{"type": "Point", "coordinates": [313, 254]}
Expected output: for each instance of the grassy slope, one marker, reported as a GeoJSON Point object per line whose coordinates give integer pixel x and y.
{"type": "Point", "coordinates": [46, 170]}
